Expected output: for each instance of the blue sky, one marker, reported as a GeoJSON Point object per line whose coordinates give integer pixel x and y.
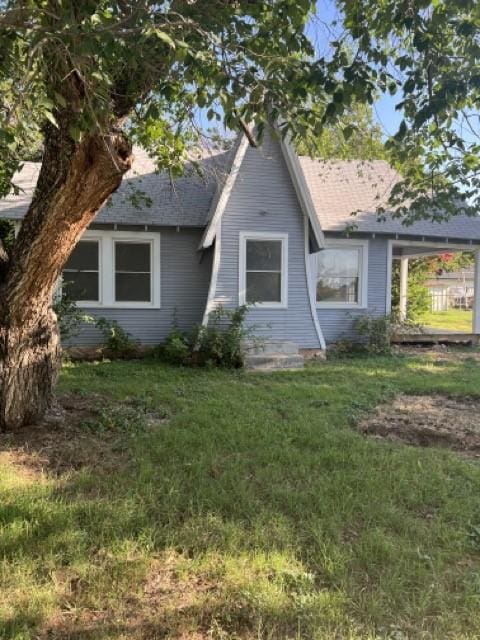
{"type": "Point", "coordinates": [327, 26]}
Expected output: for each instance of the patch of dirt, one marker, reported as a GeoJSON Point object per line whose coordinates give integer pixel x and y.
{"type": "Point", "coordinates": [80, 432]}
{"type": "Point", "coordinates": [440, 352]}
{"type": "Point", "coordinates": [168, 605]}
{"type": "Point", "coordinates": [429, 420]}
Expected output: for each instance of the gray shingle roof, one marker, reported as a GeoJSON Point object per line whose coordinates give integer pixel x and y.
{"type": "Point", "coordinates": [337, 188]}
{"type": "Point", "coordinates": [159, 200]}
{"type": "Point", "coordinates": [340, 188]}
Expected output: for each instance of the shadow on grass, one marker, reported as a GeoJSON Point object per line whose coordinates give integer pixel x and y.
{"type": "Point", "coordinates": [255, 509]}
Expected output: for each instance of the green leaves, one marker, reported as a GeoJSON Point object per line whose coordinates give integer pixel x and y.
{"type": "Point", "coordinates": [107, 64]}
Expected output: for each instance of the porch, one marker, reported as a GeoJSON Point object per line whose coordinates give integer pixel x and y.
{"type": "Point", "coordinates": [454, 330]}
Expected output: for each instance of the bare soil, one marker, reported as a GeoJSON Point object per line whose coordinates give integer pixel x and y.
{"type": "Point", "coordinates": [70, 438]}
{"type": "Point", "coordinates": [429, 420]}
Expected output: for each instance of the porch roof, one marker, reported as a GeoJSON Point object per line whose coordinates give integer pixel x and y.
{"type": "Point", "coordinates": [340, 188]}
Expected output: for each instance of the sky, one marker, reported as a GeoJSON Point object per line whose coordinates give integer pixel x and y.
{"type": "Point", "coordinates": [327, 26]}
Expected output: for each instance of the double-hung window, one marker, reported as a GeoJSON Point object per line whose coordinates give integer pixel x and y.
{"type": "Point", "coordinates": [263, 269]}
{"type": "Point", "coordinates": [81, 274]}
{"type": "Point", "coordinates": [115, 269]}
{"type": "Point", "coordinates": [133, 271]}
{"type": "Point", "coordinates": [340, 272]}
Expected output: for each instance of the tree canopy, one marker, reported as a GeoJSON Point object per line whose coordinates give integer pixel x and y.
{"type": "Point", "coordinates": [364, 143]}
{"type": "Point", "coordinates": [147, 66]}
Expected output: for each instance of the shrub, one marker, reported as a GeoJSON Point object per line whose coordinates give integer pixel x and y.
{"type": "Point", "coordinates": [118, 342]}
{"type": "Point", "coordinates": [69, 316]}
{"type": "Point", "coordinates": [418, 298]}
{"type": "Point", "coordinates": [378, 333]}
{"type": "Point", "coordinates": [177, 347]}
{"type": "Point", "coordinates": [220, 343]}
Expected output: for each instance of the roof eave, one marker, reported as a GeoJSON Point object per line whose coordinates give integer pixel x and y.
{"type": "Point", "coordinates": [220, 203]}
{"type": "Point", "coordinates": [301, 189]}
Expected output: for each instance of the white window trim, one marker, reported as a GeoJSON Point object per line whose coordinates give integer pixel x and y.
{"type": "Point", "coordinates": [342, 243]}
{"type": "Point", "coordinates": [92, 304]}
{"type": "Point", "coordinates": [242, 286]}
{"type": "Point", "coordinates": [106, 240]}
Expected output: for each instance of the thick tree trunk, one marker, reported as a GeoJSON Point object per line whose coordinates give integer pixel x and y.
{"type": "Point", "coordinates": [74, 182]}
{"type": "Point", "coordinates": [29, 364]}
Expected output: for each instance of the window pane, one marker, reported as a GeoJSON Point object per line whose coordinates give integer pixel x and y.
{"type": "Point", "coordinates": [264, 255]}
{"type": "Point", "coordinates": [132, 287]}
{"type": "Point", "coordinates": [132, 256]}
{"type": "Point", "coordinates": [338, 262]}
{"type": "Point", "coordinates": [337, 290]}
{"type": "Point", "coordinates": [84, 257]}
{"type": "Point", "coordinates": [81, 285]}
{"type": "Point", "coordinates": [338, 275]}
{"type": "Point", "coordinates": [264, 287]}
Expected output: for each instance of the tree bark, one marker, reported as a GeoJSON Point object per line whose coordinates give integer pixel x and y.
{"type": "Point", "coordinates": [75, 181]}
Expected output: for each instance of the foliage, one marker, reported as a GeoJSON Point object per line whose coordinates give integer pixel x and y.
{"type": "Point", "coordinates": [449, 262]}
{"type": "Point", "coordinates": [419, 270]}
{"type": "Point", "coordinates": [220, 343]}
{"type": "Point", "coordinates": [418, 298]}
{"type": "Point", "coordinates": [118, 342]}
{"type": "Point", "coordinates": [377, 330]}
{"type": "Point", "coordinates": [354, 137]}
{"type": "Point", "coordinates": [344, 348]}
{"type": "Point", "coordinates": [428, 55]}
{"type": "Point", "coordinates": [177, 348]}
{"type": "Point", "coordinates": [91, 66]}
{"type": "Point", "coordinates": [70, 317]}
{"type": "Point", "coordinates": [7, 234]}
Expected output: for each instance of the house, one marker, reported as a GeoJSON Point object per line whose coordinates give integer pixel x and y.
{"type": "Point", "coordinates": [451, 289]}
{"type": "Point", "coordinates": [261, 226]}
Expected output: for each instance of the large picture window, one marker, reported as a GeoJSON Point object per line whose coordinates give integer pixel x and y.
{"type": "Point", "coordinates": [341, 273]}
{"type": "Point", "coordinates": [263, 270]}
{"type": "Point", "coordinates": [81, 272]}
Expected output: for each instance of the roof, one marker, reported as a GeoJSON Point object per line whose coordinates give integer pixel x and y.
{"type": "Point", "coordinates": [333, 190]}
{"type": "Point", "coordinates": [340, 188]}
{"type": "Point", "coordinates": [159, 199]}
{"type": "Point", "coordinates": [454, 275]}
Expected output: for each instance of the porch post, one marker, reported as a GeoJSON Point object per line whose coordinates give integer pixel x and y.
{"type": "Point", "coordinates": [476, 294]}
{"type": "Point", "coordinates": [403, 288]}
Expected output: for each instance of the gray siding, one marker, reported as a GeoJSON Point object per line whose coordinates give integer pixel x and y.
{"type": "Point", "coordinates": [337, 323]}
{"type": "Point", "coordinates": [264, 199]}
{"type": "Point", "coordinates": [184, 281]}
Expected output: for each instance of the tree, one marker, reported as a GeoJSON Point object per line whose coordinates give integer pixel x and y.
{"type": "Point", "coordinates": [94, 76]}
{"type": "Point", "coordinates": [427, 52]}
{"type": "Point", "coordinates": [355, 136]}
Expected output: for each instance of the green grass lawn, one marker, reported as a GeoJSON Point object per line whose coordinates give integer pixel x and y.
{"type": "Point", "coordinates": [451, 320]}
{"type": "Point", "coordinates": [252, 510]}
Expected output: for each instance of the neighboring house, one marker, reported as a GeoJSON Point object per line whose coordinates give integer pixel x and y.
{"type": "Point", "coordinates": [263, 227]}
{"type": "Point", "coordinates": [452, 290]}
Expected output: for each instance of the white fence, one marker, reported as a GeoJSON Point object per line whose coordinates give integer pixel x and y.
{"type": "Point", "coordinates": [445, 299]}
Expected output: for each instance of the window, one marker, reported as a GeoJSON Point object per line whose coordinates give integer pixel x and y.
{"type": "Point", "coordinates": [263, 269]}
{"type": "Point", "coordinates": [341, 275]}
{"type": "Point", "coordinates": [133, 270]}
{"type": "Point", "coordinates": [115, 269]}
{"type": "Point", "coordinates": [81, 272]}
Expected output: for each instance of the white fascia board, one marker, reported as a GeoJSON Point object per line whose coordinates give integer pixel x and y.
{"type": "Point", "coordinates": [301, 189]}
{"type": "Point", "coordinates": [211, 230]}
